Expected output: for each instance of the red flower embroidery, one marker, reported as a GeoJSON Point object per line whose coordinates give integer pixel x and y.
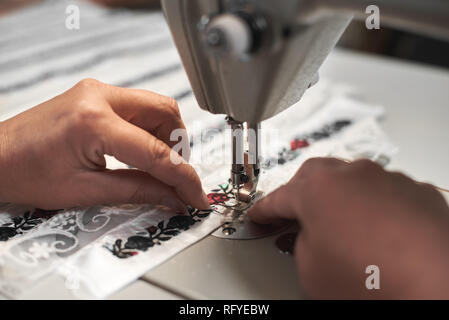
{"type": "Point", "coordinates": [215, 198]}
{"type": "Point", "coordinates": [298, 144]}
{"type": "Point", "coordinates": [152, 229]}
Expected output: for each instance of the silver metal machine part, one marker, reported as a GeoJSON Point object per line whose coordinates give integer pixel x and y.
{"type": "Point", "coordinates": [245, 167]}
{"type": "Point", "coordinates": [245, 170]}
{"type": "Point", "coordinates": [237, 225]}
{"type": "Point", "coordinates": [251, 59]}
{"type": "Point", "coordinates": [257, 70]}
{"type": "Point", "coordinates": [237, 169]}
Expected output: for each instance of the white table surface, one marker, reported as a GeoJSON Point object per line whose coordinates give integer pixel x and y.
{"type": "Point", "coordinates": [416, 99]}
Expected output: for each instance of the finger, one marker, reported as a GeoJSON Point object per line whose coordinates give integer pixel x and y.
{"type": "Point", "coordinates": [285, 202]}
{"type": "Point", "coordinates": [134, 146]}
{"type": "Point", "coordinates": [313, 166]}
{"type": "Point", "coordinates": [128, 186]}
{"type": "Point", "coordinates": [278, 205]}
{"type": "Point", "coordinates": [148, 110]}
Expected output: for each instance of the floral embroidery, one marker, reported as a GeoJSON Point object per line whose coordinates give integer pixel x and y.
{"type": "Point", "coordinates": [304, 141]}
{"type": "Point", "coordinates": [155, 235]}
{"type": "Point", "coordinates": [215, 198]}
{"type": "Point", "coordinates": [164, 231]}
{"type": "Point", "coordinates": [298, 144]}
{"type": "Point", "coordinates": [22, 224]}
{"type": "Point", "coordinates": [220, 196]}
{"type": "Point", "coordinates": [59, 233]}
{"type": "Point", "coordinates": [40, 250]}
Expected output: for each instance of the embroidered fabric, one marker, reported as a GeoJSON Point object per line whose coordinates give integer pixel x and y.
{"type": "Point", "coordinates": [43, 239]}
{"type": "Point", "coordinates": [100, 249]}
{"type": "Point", "coordinates": [91, 246]}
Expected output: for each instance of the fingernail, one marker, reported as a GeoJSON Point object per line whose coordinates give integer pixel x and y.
{"type": "Point", "coordinates": [174, 204]}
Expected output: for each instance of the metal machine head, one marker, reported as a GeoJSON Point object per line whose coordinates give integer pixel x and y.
{"type": "Point", "coordinates": [250, 59]}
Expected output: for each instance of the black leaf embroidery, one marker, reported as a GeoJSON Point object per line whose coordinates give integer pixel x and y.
{"type": "Point", "coordinates": [285, 155]}
{"type": "Point", "coordinates": [7, 233]}
{"type": "Point", "coordinates": [154, 235]}
{"type": "Point", "coordinates": [26, 222]}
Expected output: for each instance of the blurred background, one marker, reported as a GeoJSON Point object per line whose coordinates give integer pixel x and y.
{"type": "Point", "coordinates": [386, 41]}
{"type": "Point", "coordinates": [396, 43]}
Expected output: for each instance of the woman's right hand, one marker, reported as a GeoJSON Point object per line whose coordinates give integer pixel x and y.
{"type": "Point", "coordinates": [354, 215]}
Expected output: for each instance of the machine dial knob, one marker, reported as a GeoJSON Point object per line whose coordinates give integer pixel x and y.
{"type": "Point", "coordinates": [234, 34]}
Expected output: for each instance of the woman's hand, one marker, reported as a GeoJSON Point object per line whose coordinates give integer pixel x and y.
{"type": "Point", "coordinates": [356, 215]}
{"type": "Point", "coordinates": [52, 156]}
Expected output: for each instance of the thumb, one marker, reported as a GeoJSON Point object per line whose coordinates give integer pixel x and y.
{"type": "Point", "coordinates": [278, 205]}
{"type": "Point", "coordinates": [129, 186]}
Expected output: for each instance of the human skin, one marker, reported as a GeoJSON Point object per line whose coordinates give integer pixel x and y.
{"type": "Point", "coordinates": [52, 155]}
{"type": "Point", "coordinates": [10, 5]}
{"type": "Point", "coordinates": [353, 215]}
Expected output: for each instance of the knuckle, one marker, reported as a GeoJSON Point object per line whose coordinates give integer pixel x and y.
{"type": "Point", "coordinates": [366, 165]}
{"type": "Point", "coordinates": [366, 169]}
{"type": "Point", "coordinates": [158, 151]}
{"type": "Point", "coordinates": [87, 114]}
{"type": "Point", "coordinates": [88, 122]}
{"type": "Point", "coordinates": [88, 83]}
{"type": "Point", "coordinates": [87, 108]}
{"type": "Point", "coordinates": [173, 106]}
{"type": "Point", "coordinates": [310, 164]}
{"type": "Point", "coordinates": [311, 173]}
{"type": "Point", "coordinates": [307, 170]}
{"type": "Point", "coordinates": [140, 195]}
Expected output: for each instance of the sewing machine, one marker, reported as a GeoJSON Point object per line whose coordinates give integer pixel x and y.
{"type": "Point", "coordinates": [251, 59]}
